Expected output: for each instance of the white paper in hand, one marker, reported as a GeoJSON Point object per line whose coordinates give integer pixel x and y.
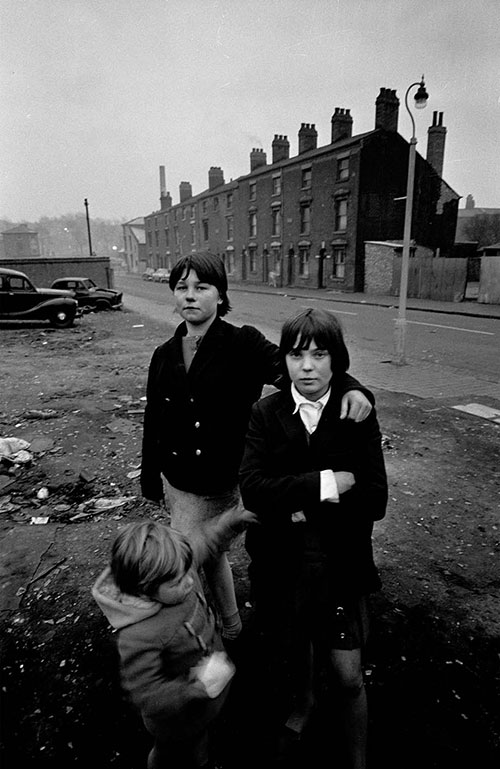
{"type": "Point", "coordinates": [215, 672]}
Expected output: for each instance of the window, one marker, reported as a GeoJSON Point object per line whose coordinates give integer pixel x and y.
{"type": "Point", "coordinates": [167, 238]}
{"type": "Point", "coordinates": [176, 235]}
{"type": "Point", "coordinates": [193, 235]}
{"type": "Point", "coordinates": [204, 207]}
{"type": "Point", "coordinates": [338, 266]}
{"type": "Point", "coordinates": [305, 220]}
{"type": "Point", "coordinates": [252, 225]}
{"type": "Point", "coordinates": [230, 262]}
{"type": "Point", "coordinates": [156, 221]}
{"type": "Point", "coordinates": [229, 227]}
{"type": "Point", "coordinates": [253, 190]}
{"type": "Point", "coordinates": [277, 185]}
{"type": "Point", "coordinates": [342, 169]}
{"type": "Point", "coordinates": [175, 215]}
{"type": "Point", "coordinates": [183, 213]}
{"type": "Point", "coordinates": [304, 262]}
{"type": "Point", "coordinates": [205, 229]}
{"type": "Point", "coordinates": [193, 212]}
{"type": "Point", "coordinates": [252, 259]}
{"type": "Point", "coordinates": [276, 222]}
{"type": "Point", "coordinates": [166, 220]}
{"type": "Point", "coordinates": [150, 239]}
{"type": "Point", "coordinates": [341, 214]}
{"type": "Point", "coordinates": [229, 200]}
{"type": "Point", "coordinates": [157, 238]}
{"type": "Point", "coordinates": [216, 204]}
{"type": "Point", "coordinates": [306, 178]}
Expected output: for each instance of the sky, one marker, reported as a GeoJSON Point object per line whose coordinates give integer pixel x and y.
{"type": "Point", "coordinates": [97, 94]}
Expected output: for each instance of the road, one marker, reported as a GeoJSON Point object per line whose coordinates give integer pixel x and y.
{"type": "Point", "coordinates": [459, 354]}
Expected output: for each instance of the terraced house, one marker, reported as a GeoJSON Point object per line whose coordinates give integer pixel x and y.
{"type": "Point", "coordinates": [304, 219]}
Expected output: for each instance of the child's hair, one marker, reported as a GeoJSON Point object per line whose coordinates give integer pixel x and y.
{"type": "Point", "coordinates": [209, 269]}
{"type": "Point", "coordinates": [146, 554]}
{"type": "Point", "coordinates": [321, 326]}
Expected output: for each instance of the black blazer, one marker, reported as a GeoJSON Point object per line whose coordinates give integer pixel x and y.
{"type": "Point", "coordinates": [195, 421]}
{"type": "Point", "coordinates": [280, 475]}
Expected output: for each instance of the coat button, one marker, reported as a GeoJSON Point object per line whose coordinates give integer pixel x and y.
{"type": "Point", "coordinates": [196, 424]}
{"type": "Point", "coordinates": [198, 452]}
{"type": "Point", "coordinates": [174, 453]}
{"type": "Point", "coordinates": [168, 400]}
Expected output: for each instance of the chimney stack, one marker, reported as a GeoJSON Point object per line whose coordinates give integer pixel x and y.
{"type": "Point", "coordinates": [165, 197]}
{"type": "Point", "coordinates": [386, 110]}
{"type": "Point", "coordinates": [436, 137]}
{"type": "Point", "coordinates": [257, 158]}
{"type": "Point", "coordinates": [341, 125]}
{"type": "Point", "coordinates": [470, 203]}
{"type": "Point", "coordinates": [215, 177]}
{"type": "Point", "coordinates": [281, 148]}
{"type": "Point", "coordinates": [308, 137]}
{"type": "Point", "coordinates": [185, 191]}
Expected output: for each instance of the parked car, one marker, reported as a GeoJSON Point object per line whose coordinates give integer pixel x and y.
{"type": "Point", "coordinates": [21, 300]}
{"type": "Point", "coordinates": [161, 275]}
{"type": "Point", "coordinates": [90, 296]}
{"type": "Point", "coordinates": [148, 273]}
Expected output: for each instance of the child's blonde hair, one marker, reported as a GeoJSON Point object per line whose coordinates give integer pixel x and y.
{"type": "Point", "coordinates": [146, 554]}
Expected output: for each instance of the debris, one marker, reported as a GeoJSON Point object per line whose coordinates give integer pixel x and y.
{"type": "Point", "coordinates": [14, 450]}
{"type": "Point", "coordinates": [42, 493]}
{"type": "Point", "coordinates": [101, 505]}
{"type": "Point", "coordinates": [39, 519]}
{"type": "Point", "coordinates": [121, 426]}
{"type": "Point", "coordinates": [134, 474]}
{"type": "Point", "coordinates": [40, 414]}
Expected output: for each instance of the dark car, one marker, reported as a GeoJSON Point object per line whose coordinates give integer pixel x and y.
{"type": "Point", "coordinates": [20, 300]}
{"type": "Point", "coordinates": [90, 296]}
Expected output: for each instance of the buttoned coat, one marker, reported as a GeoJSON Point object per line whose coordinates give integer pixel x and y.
{"type": "Point", "coordinates": [280, 476]}
{"type": "Point", "coordinates": [195, 421]}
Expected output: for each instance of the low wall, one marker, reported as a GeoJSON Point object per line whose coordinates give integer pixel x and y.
{"type": "Point", "coordinates": [42, 271]}
{"type": "Point", "coordinates": [489, 283]}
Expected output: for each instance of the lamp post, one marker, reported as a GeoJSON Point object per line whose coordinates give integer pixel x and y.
{"type": "Point", "coordinates": [421, 98]}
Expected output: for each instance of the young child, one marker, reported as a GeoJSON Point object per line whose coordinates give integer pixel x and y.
{"type": "Point", "coordinates": [317, 483]}
{"type": "Point", "coordinates": [173, 666]}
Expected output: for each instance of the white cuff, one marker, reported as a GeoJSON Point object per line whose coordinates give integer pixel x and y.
{"type": "Point", "coordinates": [328, 486]}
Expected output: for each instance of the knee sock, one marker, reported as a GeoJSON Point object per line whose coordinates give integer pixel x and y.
{"type": "Point", "coordinates": [231, 626]}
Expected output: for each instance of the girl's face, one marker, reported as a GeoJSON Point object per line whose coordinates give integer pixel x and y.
{"type": "Point", "coordinates": [310, 370]}
{"type": "Point", "coordinates": [195, 300]}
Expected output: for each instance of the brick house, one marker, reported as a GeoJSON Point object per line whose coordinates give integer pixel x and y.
{"type": "Point", "coordinates": [304, 220]}
{"type": "Point", "coordinates": [20, 242]}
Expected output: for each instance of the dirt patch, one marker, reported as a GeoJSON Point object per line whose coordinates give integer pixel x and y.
{"type": "Point", "coordinates": [431, 668]}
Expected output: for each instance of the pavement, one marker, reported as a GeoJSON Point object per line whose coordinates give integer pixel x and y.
{"type": "Point", "coordinates": [423, 379]}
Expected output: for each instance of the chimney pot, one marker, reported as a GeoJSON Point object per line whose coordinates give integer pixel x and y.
{"type": "Point", "coordinates": [386, 110]}
{"type": "Point", "coordinates": [436, 138]}
{"type": "Point", "coordinates": [341, 125]}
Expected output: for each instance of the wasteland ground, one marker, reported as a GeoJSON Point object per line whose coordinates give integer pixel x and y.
{"type": "Point", "coordinates": [432, 665]}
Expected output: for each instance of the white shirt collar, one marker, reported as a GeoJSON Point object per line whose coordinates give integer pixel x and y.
{"type": "Point", "coordinates": [298, 398]}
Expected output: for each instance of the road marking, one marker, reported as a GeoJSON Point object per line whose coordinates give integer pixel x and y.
{"type": "Point", "coordinates": [478, 410]}
{"type": "Point", "coordinates": [451, 328]}
{"type": "Point", "coordinates": [335, 312]}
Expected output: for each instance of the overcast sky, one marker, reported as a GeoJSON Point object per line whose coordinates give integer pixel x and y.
{"type": "Point", "coordinates": [97, 94]}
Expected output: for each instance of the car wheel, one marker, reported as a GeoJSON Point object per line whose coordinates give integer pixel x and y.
{"type": "Point", "coordinates": [62, 319]}
{"type": "Point", "coordinates": [102, 304]}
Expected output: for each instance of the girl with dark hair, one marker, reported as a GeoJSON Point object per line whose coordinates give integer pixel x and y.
{"type": "Point", "coordinates": [201, 386]}
{"type": "Point", "coordinates": [317, 484]}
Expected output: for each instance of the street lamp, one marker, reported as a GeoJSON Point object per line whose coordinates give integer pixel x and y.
{"type": "Point", "coordinates": [421, 98]}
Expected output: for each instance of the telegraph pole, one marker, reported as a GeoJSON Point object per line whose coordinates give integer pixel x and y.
{"type": "Point", "coordinates": [88, 225]}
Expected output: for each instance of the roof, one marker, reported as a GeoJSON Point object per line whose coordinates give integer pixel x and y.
{"type": "Point", "coordinates": [468, 213]}
{"type": "Point", "coordinates": [20, 229]}
{"type": "Point", "coordinates": [8, 271]}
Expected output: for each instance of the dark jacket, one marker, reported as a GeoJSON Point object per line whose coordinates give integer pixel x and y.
{"type": "Point", "coordinates": [195, 422]}
{"type": "Point", "coordinates": [280, 475]}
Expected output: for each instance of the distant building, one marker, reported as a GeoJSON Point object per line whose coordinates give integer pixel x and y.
{"type": "Point", "coordinates": [134, 240]}
{"type": "Point", "coordinates": [20, 242]}
{"type": "Point", "coordinates": [303, 220]}
{"type": "Point", "coordinates": [470, 212]}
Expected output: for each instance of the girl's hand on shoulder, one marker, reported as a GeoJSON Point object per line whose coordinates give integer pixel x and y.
{"type": "Point", "coordinates": [355, 406]}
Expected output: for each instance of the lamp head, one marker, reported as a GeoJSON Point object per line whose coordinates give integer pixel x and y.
{"type": "Point", "coordinates": [421, 96]}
